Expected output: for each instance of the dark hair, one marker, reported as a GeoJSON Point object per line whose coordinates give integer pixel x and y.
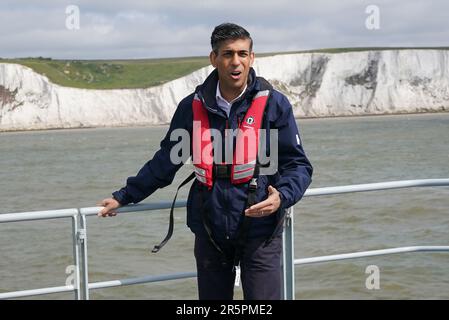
{"type": "Point", "coordinates": [228, 31]}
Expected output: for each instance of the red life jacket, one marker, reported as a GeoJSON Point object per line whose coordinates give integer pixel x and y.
{"type": "Point", "coordinates": [247, 143]}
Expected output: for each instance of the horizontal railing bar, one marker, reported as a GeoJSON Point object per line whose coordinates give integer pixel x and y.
{"type": "Point", "coordinates": [39, 215]}
{"type": "Point", "coordinates": [90, 211]}
{"type": "Point", "coordinates": [377, 186]}
{"type": "Point", "coordinates": [146, 279]}
{"type": "Point", "coordinates": [98, 285]}
{"type": "Point", "coordinates": [371, 253]}
{"type": "Point", "coordinates": [36, 292]}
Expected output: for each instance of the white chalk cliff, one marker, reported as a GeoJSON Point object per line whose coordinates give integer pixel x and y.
{"type": "Point", "coordinates": [317, 84]}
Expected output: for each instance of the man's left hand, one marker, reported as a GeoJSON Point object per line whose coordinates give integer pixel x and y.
{"type": "Point", "coordinates": [266, 207]}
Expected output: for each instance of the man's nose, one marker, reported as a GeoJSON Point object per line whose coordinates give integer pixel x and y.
{"type": "Point", "coordinates": [235, 60]}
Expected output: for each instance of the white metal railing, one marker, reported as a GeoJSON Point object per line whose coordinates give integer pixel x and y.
{"type": "Point", "coordinates": [78, 216]}
{"type": "Point", "coordinates": [371, 253]}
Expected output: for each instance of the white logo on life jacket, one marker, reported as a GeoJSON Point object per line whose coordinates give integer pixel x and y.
{"type": "Point", "coordinates": [250, 120]}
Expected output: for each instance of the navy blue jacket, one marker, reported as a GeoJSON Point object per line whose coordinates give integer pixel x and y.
{"type": "Point", "coordinates": [226, 202]}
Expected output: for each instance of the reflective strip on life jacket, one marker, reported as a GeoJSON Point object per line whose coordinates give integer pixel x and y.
{"type": "Point", "coordinates": [244, 167]}
{"type": "Point", "coordinates": [244, 170]}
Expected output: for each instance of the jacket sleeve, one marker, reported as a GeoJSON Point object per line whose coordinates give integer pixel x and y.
{"type": "Point", "coordinates": [295, 170]}
{"type": "Point", "coordinates": [159, 171]}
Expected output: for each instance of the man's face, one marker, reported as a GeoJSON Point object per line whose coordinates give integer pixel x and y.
{"type": "Point", "coordinates": [233, 62]}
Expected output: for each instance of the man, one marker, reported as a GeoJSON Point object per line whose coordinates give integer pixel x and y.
{"type": "Point", "coordinates": [234, 211]}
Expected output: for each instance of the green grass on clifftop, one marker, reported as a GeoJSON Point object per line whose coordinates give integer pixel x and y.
{"type": "Point", "coordinates": [112, 74]}
{"type": "Point", "coordinates": [143, 73]}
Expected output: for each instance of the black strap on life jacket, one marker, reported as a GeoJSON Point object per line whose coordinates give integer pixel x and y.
{"type": "Point", "coordinates": [242, 234]}
{"type": "Point", "coordinates": [171, 224]}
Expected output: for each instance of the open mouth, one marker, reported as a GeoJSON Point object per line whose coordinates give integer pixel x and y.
{"type": "Point", "coordinates": [236, 75]}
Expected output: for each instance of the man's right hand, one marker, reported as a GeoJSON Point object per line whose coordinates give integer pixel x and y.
{"type": "Point", "coordinates": [109, 205]}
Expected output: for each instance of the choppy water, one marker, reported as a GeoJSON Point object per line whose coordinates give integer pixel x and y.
{"type": "Point", "coordinates": [44, 170]}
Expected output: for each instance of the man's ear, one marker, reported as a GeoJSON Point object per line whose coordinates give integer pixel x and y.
{"type": "Point", "coordinates": [212, 58]}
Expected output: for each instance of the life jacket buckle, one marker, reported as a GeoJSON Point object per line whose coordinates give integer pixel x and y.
{"type": "Point", "coordinates": [222, 171]}
{"type": "Point", "coordinates": [253, 184]}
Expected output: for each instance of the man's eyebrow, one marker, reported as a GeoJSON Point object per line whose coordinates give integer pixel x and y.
{"type": "Point", "coordinates": [231, 51]}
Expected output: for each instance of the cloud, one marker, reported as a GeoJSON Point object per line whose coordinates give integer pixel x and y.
{"type": "Point", "coordinates": [141, 28]}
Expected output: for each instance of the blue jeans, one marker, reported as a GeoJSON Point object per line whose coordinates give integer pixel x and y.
{"type": "Point", "coordinates": [260, 270]}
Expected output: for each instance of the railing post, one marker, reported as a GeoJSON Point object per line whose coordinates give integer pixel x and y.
{"type": "Point", "coordinates": [82, 241]}
{"type": "Point", "coordinates": [76, 257]}
{"type": "Point", "coordinates": [288, 259]}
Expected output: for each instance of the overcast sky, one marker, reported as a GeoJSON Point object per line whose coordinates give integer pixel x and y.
{"type": "Point", "coordinates": [164, 28]}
